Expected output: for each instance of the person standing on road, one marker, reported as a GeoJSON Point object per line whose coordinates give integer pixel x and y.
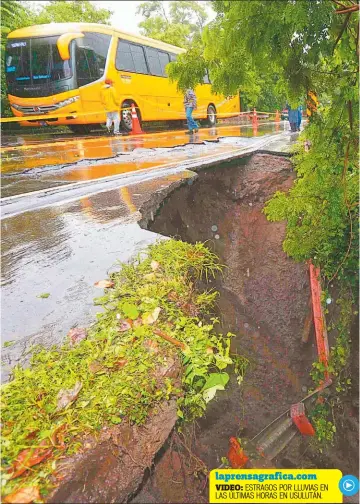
{"type": "Point", "coordinates": [190, 105]}
{"type": "Point", "coordinates": [111, 103]}
{"type": "Point", "coordinates": [293, 118]}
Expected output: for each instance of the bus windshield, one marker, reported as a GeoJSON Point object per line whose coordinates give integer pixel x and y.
{"type": "Point", "coordinates": [35, 61]}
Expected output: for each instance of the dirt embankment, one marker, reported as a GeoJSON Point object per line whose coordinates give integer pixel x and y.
{"type": "Point", "coordinates": [264, 301]}
{"type": "Point", "coordinates": [113, 466]}
{"type": "Point", "coordinates": [264, 294]}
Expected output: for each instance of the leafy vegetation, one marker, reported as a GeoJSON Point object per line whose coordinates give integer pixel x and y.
{"type": "Point", "coordinates": [278, 51]}
{"type": "Point", "coordinates": [180, 25]}
{"type": "Point", "coordinates": [153, 316]}
{"type": "Point", "coordinates": [9, 343]}
{"type": "Point", "coordinates": [13, 15]}
{"type": "Point", "coordinates": [339, 353]}
{"type": "Point", "coordinates": [338, 369]}
{"type": "Point", "coordinates": [325, 429]}
{"type": "Point", "coordinates": [68, 11]}
{"type": "Point", "coordinates": [44, 295]}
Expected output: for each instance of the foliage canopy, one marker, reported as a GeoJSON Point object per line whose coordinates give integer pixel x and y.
{"type": "Point", "coordinates": [178, 26]}
{"type": "Point", "coordinates": [13, 15]}
{"type": "Point", "coordinates": [68, 11]}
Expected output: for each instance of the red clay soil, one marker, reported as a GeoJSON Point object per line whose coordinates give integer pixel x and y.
{"type": "Point", "coordinates": [264, 301]}
{"type": "Point", "coordinates": [110, 467]}
{"type": "Point", "coordinates": [264, 294]}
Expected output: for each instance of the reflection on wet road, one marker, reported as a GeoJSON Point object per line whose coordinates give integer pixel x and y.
{"type": "Point", "coordinates": [32, 167]}
{"type": "Point", "coordinates": [63, 251]}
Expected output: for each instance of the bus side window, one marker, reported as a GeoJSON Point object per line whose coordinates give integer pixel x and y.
{"type": "Point", "coordinates": [164, 60]}
{"type": "Point", "coordinates": [154, 61]}
{"type": "Point", "coordinates": [130, 58]}
{"type": "Point", "coordinates": [124, 60]}
{"type": "Point", "coordinates": [138, 55]}
{"type": "Point", "coordinates": [173, 57]}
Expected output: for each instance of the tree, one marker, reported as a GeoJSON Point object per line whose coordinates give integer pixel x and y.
{"type": "Point", "coordinates": [180, 26]}
{"type": "Point", "coordinates": [69, 11]}
{"type": "Point", "coordinates": [191, 14]}
{"type": "Point", "coordinates": [12, 14]}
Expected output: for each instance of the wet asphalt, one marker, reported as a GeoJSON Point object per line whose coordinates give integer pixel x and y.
{"type": "Point", "coordinates": [31, 165]}
{"type": "Point", "coordinates": [70, 212]}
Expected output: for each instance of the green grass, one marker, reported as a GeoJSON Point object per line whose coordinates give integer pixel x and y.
{"type": "Point", "coordinates": [119, 370]}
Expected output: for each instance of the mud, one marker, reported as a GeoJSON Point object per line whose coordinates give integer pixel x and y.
{"type": "Point", "coordinates": [110, 469]}
{"type": "Point", "coordinates": [264, 299]}
{"type": "Point", "coordinates": [264, 294]}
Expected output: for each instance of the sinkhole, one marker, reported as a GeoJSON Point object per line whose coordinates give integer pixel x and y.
{"type": "Point", "coordinates": [264, 295]}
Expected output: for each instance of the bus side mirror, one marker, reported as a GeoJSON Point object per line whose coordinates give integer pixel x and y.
{"type": "Point", "coordinates": [63, 44]}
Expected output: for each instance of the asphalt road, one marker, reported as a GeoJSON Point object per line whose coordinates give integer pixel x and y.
{"type": "Point", "coordinates": [70, 211]}
{"type": "Point", "coordinates": [30, 164]}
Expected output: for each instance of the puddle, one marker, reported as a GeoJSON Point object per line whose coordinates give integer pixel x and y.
{"type": "Point", "coordinates": [34, 167]}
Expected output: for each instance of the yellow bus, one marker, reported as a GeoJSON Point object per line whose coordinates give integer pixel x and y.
{"type": "Point", "coordinates": [57, 70]}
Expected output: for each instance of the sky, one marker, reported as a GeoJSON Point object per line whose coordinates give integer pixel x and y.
{"type": "Point", "coordinates": [124, 16]}
{"type": "Point", "coordinates": [124, 12]}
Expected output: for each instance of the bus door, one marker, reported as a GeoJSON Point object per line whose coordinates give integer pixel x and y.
{"type": "Point", "coordinates": [90, 63]}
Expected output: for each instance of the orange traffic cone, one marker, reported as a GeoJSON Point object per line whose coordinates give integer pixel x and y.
{"type": "Point", "coordinates": [136, 128]}
{"type": "Point", "coordinates": [277, 116]}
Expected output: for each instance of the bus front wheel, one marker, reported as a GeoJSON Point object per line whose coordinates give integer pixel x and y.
{"type": "Point", "coordinates": [126, 120]}
{"type": "Point", "coordinates": [211, 115]}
